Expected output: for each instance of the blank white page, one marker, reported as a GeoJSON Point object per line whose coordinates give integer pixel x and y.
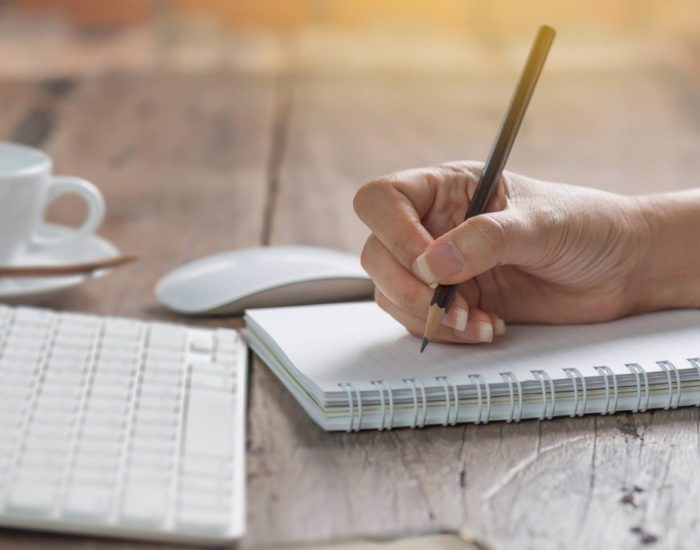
{"type": "Point", "coordinates": [358, 343]}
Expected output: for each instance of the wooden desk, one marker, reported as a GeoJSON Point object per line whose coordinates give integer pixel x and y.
{"type": "Point", "coordinates": [199, 148]}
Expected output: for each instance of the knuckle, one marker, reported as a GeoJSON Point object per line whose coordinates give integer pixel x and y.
{"type": "Point", "coordinates": [381, 300]}
{"type": "Point", "coordinates": [493, 231]}
{"type": "Point", "coordinates": [403, 249]}
{"type": "Point", "coordinates": [470, 169]}
{"type": "Point", "coordinates": [366, 255]}
{"type": "Point", "coordinates": [369, 193]}
{"type": "Point", "coordinates": [408, 297]}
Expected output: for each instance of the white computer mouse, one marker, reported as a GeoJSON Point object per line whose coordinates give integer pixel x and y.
{"type": "Point", "coordinates": [269, 276]}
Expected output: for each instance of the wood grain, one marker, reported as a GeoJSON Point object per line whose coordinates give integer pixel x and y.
{"type": "Point", "coordinates": [198, 158]}
{"type": "Point", "coordinates": [597, 482]}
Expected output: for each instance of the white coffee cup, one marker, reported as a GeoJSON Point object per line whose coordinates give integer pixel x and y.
{"type": "Point", "coordinates": [27, 187]}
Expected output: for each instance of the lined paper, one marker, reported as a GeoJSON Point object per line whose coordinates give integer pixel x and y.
{"type": "Point", "coordinates": [359, 343]}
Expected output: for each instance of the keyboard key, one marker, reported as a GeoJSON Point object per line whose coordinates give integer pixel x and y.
{"type": "Point", "coordinates": [60, 404]}
{"type": "Point", "coordinates": [162, 377]}
{"type": "Point", "coordinates": [39, 446]}
{"type": "Point", "coordinates": [155, 418]}
{"type": "Point", "coordinates": [175, 365]}
{"type": "Point", "coordinates": [203, 484]}
{"type": "Point", "coordinates": [35, 459]}
{"type": "Point", "coordinates": [204, 518]}
{"type": "Point", "coordinates": [103, 407]}
{"type": "Point", "coordinates": [10, 422]}
{"type": "Point", "coordinates": [54, 419]}
{"type": "Point", "coordinates": [145, 503]}
{"type": "Point", "coordinates": [108, 377]}
{"type": "Point", "coordinates": [123, 329]}
{"type": "Point", "coordinates": [18, 379]}
{"type": "Point", "coordinates": [169, 405]}
{"type": "Point", "coordinates": [98, 476]}
{"type": "Point", "coordinates": [158, 461]}
{"type": "Point", "coordinates": [111, 404]}
{"type": "Point", "coordinates": [211, 381]}
{"type": "Point", "coordinates": [165, 445]}
{"type": "Point", "coordinates": [209, 416]}
{"type": "Point", "coordinates": [70, 338]}
{"type": "Point", "coordinates": [33, 491]}
{"type": "Point", "coordinates": [58, 378]}
{"type": "Point", "coordinates": [74, 356]}
{"type": "Point", "coordinates": [193, 464]}
{"type": "Point", "coordinates": [148, 473]}
{"type": "Point", "coordinates": [88, 501]}
{"type": "Point", "coordinates": [167, 432]}
{"type": "Point", "coordinates": [117, 354]}
{"type": "Point", "coordinates": [95, 432]}
{"type": "Point", "coordinates": [107, 465]}
{"type": "Point", "coordinates": [66, 366]}
{"type": "Point", "coordinates": [99, 448]}
{"type": "Point", "coordinates": [33, 316]}
{"type": "Point", "coordinates": [166, 336]}
{"type": "Point", "coordinates": [200, 342]}
{"type": "Point", "coordinates": [104, 417]}
{"type": "Point", "coordinates": [110, 392]}
{"type": "Point", "coordinates": [31, 496]}
{"type": "Point", "coordinates": [171, 393]}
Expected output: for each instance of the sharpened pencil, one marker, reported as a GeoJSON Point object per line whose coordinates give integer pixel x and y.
{"type": "Point", "coordinates": [444, 294]}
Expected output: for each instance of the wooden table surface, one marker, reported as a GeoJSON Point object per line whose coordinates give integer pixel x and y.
{"type": "Point", "coordinates": [207, 144]}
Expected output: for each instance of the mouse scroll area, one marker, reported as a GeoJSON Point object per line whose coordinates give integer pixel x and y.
{"type": "Point", "coordinates": [307, 292]}
{"type": "Point", "coordinates": [274, 276]}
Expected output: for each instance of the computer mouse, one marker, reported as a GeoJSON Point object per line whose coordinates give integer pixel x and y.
{"type": "Point", "coordinates": [268, 276]}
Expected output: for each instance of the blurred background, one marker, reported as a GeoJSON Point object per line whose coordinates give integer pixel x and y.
{"type": "Point", "coordinates": [307, 99]}
{"type": "Point", "coordinates": [497, 17]}
{"type": "Point", "coordinates": [391, 34]}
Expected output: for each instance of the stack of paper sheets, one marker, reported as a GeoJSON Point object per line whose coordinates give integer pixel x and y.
{"type": "Point", "coordinates": [351, 366]}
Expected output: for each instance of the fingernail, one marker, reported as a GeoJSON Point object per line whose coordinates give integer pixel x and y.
{"type": "Point", "coordinates": [439, 262]}
{"type": "Point", "coordinates": [422, 269]}
{"type": "Point", "coordinates": [499, 327]}
{"type": "Point", "coordinates": [457, 319]}
{"type": "Point", "coordinates": [462, 318]}
{"type": "Point", "coordinates": [485, 332]}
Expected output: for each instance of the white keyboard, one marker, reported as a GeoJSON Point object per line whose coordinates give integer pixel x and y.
{"type": "Point", "coordinates": [122, 428]}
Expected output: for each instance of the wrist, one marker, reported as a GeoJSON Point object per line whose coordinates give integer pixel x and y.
{"type": "Point", "coordinates": [668, 272]}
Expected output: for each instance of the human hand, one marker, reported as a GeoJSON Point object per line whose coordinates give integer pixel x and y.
{"type": "Point", "coordinates": [543, 253]}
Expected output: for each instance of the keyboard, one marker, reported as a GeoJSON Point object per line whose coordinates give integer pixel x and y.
{"type": "Point", "coordinates": [123, 428]}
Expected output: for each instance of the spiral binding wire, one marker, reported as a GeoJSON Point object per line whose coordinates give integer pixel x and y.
{"type": "Point", "coordinates": [479, 381]}
{"type": "Point", "coordinates": [638, 372]}
{"type": "Point", "coordinates": [671, 370]}
{"type": "Point", "coordinates": [515, 394]}
{"type": "Point", "coordinates": [511, 379]}
{"type": "Point", "coordinates": [605, 373]}
{"type": "Point", "coordinates": [349, 390]}
{"type": "Point", "coordinates": [450, 417]}
{"type": "Point", "coordinates": [412, 382]}
{"type": "Point", "coordinates": [574, 375]}
{"type": "Point", "coordinates": [695, 361]}
{"type": "Point", "coordinates": [544, 380]}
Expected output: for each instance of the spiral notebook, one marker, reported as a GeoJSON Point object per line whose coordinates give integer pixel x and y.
{"type": "Point", "coordinates": [352, 367]}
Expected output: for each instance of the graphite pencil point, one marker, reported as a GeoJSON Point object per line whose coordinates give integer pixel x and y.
{"type": "Point", "coordinates": [423, 344]}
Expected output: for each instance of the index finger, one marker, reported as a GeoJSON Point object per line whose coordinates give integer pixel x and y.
{"type": "Point", "coordinates": [392, 207]}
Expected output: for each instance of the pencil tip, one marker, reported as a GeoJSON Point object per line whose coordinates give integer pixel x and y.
{"type": "Point", "coordinates": [423, 344]}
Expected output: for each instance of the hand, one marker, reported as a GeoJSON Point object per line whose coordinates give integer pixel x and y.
{"type": "Point", "coordinates": [543, 253]}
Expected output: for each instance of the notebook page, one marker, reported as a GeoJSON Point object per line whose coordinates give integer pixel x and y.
{"type": "Point", "coordinates": [358, 343]}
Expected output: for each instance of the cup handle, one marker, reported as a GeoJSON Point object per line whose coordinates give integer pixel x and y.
{"type": "Point", "coordinates": [62, 185]}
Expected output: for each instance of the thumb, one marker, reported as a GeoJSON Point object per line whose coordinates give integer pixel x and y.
{"type": "Point", "coordinates": [478, 245]}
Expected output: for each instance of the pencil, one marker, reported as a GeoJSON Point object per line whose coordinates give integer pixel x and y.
{"type": "Point", "coordinates": [444, 294]}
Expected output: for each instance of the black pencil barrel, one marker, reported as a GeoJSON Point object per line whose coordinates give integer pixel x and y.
{"type": "Point", "coordinates": [503, 144]}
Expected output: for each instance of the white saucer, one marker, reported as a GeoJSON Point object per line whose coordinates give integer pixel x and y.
{"type": "Point", "coordinates": [33, 290]}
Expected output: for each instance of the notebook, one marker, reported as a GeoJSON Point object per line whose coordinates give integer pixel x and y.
{"type": "Point", "coordinates": [351, 367]}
